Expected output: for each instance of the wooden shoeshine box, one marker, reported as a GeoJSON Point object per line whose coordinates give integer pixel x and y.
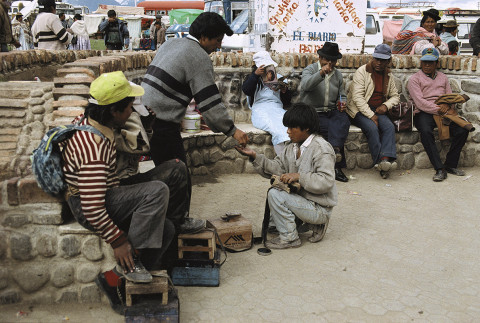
{"type": "Point", "coordinates": [235, 234]}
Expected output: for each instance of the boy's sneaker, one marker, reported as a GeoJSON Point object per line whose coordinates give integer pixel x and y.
{"type": "Point", "coordinates": [139, 274]}
{"type": "Point", "coordinates": [319, 231]}
{"type": "Point", "coordinates": [385, 165]}
{"type": "Point", "coordinates": [278, 243]}
{"type": "Point", "coordinates": [114, 294]}
{"type": "Point", "coordinates": [193, 225]}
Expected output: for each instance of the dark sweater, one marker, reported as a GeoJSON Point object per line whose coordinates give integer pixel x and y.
{"type": "Point", "coordinates": [180, 71]}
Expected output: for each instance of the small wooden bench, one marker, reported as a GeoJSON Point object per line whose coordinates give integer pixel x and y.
{"type": "Point", "coordinates": [159, 285]}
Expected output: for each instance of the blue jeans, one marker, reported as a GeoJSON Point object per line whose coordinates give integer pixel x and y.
{"type": "Point", "coordinates": [425, 124]}
{"type": "Point", "coordinates": [334, 127]}
{"type": "Point", "coordinates": [285, 206]}
{"type": "Point", "coordinates": [381, 139]}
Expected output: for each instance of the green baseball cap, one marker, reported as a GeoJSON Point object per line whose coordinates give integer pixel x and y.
{"type": "Point", "coordinates": [112, 87]}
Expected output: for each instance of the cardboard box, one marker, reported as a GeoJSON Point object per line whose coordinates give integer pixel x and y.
{"type": "Point", "coordinates": [236, 234]}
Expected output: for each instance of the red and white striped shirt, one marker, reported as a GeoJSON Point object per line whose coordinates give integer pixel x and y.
{"type": "Point", "coordinates": [90, 169]}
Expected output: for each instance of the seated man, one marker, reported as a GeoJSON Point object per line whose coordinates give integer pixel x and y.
{"type": "Point", "coordinates": [309, 160]}
{"type": "Point", "coordinates": [371, 94]}
{"type": "Point", "coordinates": [425, 87]}
{"type": "Point", "coordinates": [322, 88]}
{"type": "Point", "coordinates": [132, 219]}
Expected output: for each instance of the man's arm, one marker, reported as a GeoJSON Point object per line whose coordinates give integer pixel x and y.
{"type": "Point", "coordinates": [250, 85]}
{"type": "Point", "coordinates": [62, 34]}
{"type": "Point", "coordinates": [311, 78]}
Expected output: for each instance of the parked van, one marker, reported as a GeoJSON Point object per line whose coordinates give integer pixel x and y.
{"type": "Point", "coordinates": [465, 27]}
{"type": "Point", "coordinates": [373, 31]}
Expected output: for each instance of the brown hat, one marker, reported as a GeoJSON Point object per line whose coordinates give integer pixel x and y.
{"type": "Point", "coordinates": [451, 23]}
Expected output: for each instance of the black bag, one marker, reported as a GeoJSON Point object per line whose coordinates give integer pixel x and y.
{"type": "Point", "coordinates": [74, 40]}
{"type": "Point", "coordinates": [401, 115]}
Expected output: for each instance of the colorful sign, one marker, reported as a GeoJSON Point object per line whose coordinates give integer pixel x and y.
{"type": "Point", "coordinates": [303, 26]}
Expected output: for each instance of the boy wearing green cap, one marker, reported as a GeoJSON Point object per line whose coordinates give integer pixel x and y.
{"type": "Point", "coordinates": [132, 219]}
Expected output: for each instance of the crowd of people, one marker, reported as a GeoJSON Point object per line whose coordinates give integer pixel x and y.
{"type": "Point", "coordinates": [140, 214]}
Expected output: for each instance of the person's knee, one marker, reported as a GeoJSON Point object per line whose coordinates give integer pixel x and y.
{"type": "Point", "coordinates": [157, 190]}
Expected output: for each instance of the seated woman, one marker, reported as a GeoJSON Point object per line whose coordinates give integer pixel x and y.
{"type": "Point", "coordinates": [414, 42]}
{"type": "Point", "coordinates": [266, 98]}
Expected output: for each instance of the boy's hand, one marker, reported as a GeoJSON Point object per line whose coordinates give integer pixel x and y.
{"type": "Point", "coordinates": [260, 70]}
{"type": "Point", "coordinates": [246, 151]}
{"type": "Point", "coordinates": [290, 178]}
{"type": "Point", "coordinates": [124, 256]}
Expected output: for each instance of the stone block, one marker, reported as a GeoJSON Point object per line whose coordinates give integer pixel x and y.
{"type": "Point", "coordinates": [404, 148]}
{"type": "Point", "coordinates": [15, 220]}
{"type": "Point", "coordinates": [364, 161]}
{"type": "Point", "coordinates": [364, 148]}
{"type": "Point", "coordinates": [70, 246]}
{"type": "Point", "coordinates": [454, 85]}
{"type": "Point", "coordinates": [46, 245]}
{"type": "Point", "coordinates": [406, 161]}
{"type": "Point", "coordinates": [12, 113]}
{"type": "Point", "coordinates": [29, 192]}
{"type": "Point", "coordinates": [3, 244]}
{"type": "Point", "coordinates": [62, 275]}
{"type": "Point", "coordinates": [50, 215]}
{"type": "Point", "coordinates": [229, 143]}
{"type": "Point", "coordinates": [87, 272]}
{"type": "Point", "coordinates": [4, 278]}
{"type": "Point", "coordinates": [223, 167]}
{"type": "Point", "coordinates": [209, 141]}
{"type": "Point", "coordinates": [92, 249]}
{"type": "Point", "coordinates": [409, 138]}
{"type": "Point", "coordinates": [471, 86]}
{"type": "Point", "coordinates": [258, 139]}
{"type": "Point", "coordinates": [422, 161]}
{"type": "Point", "coordinates": [9, 297]}
{"type": "Point", "coordinates": [472, 105]}
{"type": "Point", "coordinates": [352, 146]}
{"type": "Point", "coordinates": [20, 246]}
{"type": "Point", "coordinates": [13, 103]}
{"type": "Point", "coordinates": [68, 72]}
{"type": "Point", "coordinates": [468, 156]}
{"type": "Point", "coordinates": [196, 158]}
{"type": "Point", "coordinates": [67, 296]}
{"type": "Point", "coordinates": [36, 101]}
{"type": "Point", "coordinates": [31, 277]}
{"type": "Point", "coordinates": [239, 165]}
{"type": "Point", "coordinates": [476, 136]}
{"type": "Point", "coordinates": [59, 92]}
{"type": "Point", "coordinates": [90, 294]}
{"type": "Point", "coordinates": [199, 142]}
{"type": "Point", "coordinates": [418, 147]}
{"type": "Point", "coordinates": [70, 103]}
{"type": "Point", "coordinates": [38, 109]}
{"type": "Point", "coordinates": [12, 190]}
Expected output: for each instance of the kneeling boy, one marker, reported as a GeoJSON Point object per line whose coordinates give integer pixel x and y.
{"type": "Point", "coordinates": [309, 160]}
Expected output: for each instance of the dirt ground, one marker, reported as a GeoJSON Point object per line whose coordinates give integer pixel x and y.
{"type": "Point", "coordinates": [403, 249]}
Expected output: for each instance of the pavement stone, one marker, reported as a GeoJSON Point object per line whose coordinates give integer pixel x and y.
{"type": "Point", "coordinates": [403, 249]}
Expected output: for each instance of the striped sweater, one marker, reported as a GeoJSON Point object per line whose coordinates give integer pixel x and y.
{"type": "Point", "coordinates": [180, 71]}
{"type": "Point", "coordinates": [49, 33]}
{"type": "Point", "coordinates": [90, 170]}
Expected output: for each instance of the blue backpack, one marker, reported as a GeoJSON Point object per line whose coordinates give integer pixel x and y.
{"type": "Point", "coordinates": [47, 159]}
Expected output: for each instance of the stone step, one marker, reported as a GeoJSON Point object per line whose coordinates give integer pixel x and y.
{"type": "Point", "coordinates": [13, 103]}
{"type": "Point", "coordinates": [61, 81]}
{"type": "Point", "coordinates": [63, 72]}
{"type": "Point", "coordinates": [59, 92]}
{"type": "Point", "coordinates": [69, 103]}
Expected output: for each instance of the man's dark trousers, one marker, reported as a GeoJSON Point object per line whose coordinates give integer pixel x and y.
{"type": "Point", "coordinates": [425, 124]}
{"type": "Point", "coordinates": [334, 127]}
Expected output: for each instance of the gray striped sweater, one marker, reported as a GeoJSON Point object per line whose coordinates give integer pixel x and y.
{"type": "Point", "coordinates": [180, 71]}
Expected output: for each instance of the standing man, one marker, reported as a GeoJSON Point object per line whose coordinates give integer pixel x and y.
{"type": "Point", "coordinates": [425, 87]}
{"type": "Point", "coordinates": [6, 35]}
{"type": "Point", "coordinates": [475, 38]}
{"type": "Point", "coordinates": [371, 94]}
{"type": "Point", "coordinates": [116, 32]}
{"type": "Point", "coordinates": [21, 32]}
{"type": "Point", "coordinates": [47, 30]}
{"type": "Point", "coordinates": [159, 38]}
{"type": "Point", "coordinates": [61, 16]}
{"type": "Point", "coordinates": [180, 71]}
{"type": "Point", "coordinates": [158, 18]}
{"type": "Point", "coordinates": [322, 88]}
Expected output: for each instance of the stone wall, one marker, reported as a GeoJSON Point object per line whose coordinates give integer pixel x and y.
{"type": "Point", "coordinates": [45, 260]}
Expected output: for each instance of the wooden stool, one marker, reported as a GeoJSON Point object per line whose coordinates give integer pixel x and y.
{"type": "Point", "coordinates": [186, 241]}
{"type": "Point", "coordinates": [157, 286]}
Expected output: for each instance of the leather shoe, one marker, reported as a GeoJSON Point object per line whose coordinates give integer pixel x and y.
{"type": "Point", "coordinates": [440, 175]}
{"type": "Point", "coordinates": [455, 171]}
{"type": "Point", "coordinates": [340, 176]}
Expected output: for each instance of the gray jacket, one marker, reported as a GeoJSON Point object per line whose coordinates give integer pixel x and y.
{"type": "Point", "coordinates": [314, 89]}
{"type": "Point", "coordinates": [316, 166]}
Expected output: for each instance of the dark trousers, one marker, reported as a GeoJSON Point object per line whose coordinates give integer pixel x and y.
{"type": "Point", "coordinates": [114, 46]}
{"type": "Point", "coordinates": [3, 47]}
{"type": "Point", "coordinates": [334, 127]}
{"type": "Point", "coordinates": [140, 211]}
{"type": "Point", "coordinates": [425, 124]}
{"type": "Point", "coordinates": [166, 143]}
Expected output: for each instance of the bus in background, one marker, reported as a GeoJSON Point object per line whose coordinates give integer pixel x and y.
{"type": "Point", "coordinates": [228, 9]}
{"type": "Point", "coordinates": [157, 7]}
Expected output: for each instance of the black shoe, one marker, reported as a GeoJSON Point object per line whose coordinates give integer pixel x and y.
{"type": "Point", "coordinates": [340, 176]}
{"type": "Point", "coordinates": [139, 274]}
{"type": "Point", "coordinates": [114, 294]}
{"type": "Point", "coordinates": [384, 174]}
{"type": "Point", "coordinates": [455, 171]}
{"type": "Point", "coordinates": [440, 175]}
